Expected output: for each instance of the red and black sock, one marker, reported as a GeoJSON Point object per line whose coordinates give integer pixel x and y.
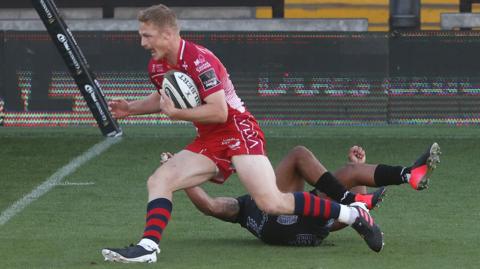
{"type": "Point", "coordinates": [330, 185]}
{"type": "Point", "coordinates": [307, 204]}
{"type": "Point", "coordinates": [390, 175]}
{"type": "Point", "coordinates": [158, 215]}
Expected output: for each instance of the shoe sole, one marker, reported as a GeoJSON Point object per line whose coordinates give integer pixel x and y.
{"type": "Point", "coordinates": [432, 162]}
{"type": "Point", "coordinates": [113, 256]}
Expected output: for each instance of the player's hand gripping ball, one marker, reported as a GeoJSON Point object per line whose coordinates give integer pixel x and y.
{"type": "Point", "coordinates": [181, 89]}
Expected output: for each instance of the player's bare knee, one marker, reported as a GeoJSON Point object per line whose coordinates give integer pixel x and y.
{"type": "Point", "coordinates": [301, 153]}
{"type": "Point", "coordinates": [157, 181]}
{"type": "Point", "coordinates": [152, 183]}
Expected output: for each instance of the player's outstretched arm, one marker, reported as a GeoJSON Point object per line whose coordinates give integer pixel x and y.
{"type": "Point", "coordinates": [121, 108]}
{"type": "Point", "coordinates": [224, 208]}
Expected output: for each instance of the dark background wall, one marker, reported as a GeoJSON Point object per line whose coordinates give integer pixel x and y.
{"type": "Point", "coordinates": [284, 78]}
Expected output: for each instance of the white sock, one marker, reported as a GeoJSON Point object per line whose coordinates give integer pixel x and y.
{"type": "Point", "coordinates": [347, 214]}
{"type": "Point", "coordinates": [148, 244]}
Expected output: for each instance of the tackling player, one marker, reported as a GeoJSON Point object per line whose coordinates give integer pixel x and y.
{"type": "Point", "coordinates": [298, 166]}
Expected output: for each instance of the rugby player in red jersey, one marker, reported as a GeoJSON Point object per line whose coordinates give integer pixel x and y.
{"type": "Point", "coordinates": [228, 139]}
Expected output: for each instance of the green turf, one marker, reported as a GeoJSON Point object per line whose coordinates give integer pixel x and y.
{"type": "Point", "coordinates": [66, 228]}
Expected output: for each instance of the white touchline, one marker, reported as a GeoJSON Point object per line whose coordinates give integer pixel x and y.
{"type": "Point", "coordinates": [68, 183]}
{"type": "Point", "coordinates": [56, 178]}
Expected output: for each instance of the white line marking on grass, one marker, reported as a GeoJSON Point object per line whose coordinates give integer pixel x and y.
{"type": "Point", "coordinates": [56, 179]}
{"type": "Point", "coordinates": [68, 183]}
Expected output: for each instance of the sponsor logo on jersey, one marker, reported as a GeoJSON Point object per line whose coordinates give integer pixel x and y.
{"type": "Point", "coordinates": [201, 64]}
{"type": "Point", "coordinates": [248, 133]}
{"type": "Point", "coordinates": [200, 60]}
{"type": "Point", "coordinates": [232, 143]}
{"type": "Point", "coordinates": [203, 67]}
{"type": "Point", "coordinates": [157, 68]}
{"type": "Point", "coordinates": [287, 219]}
{"type": "Point", "coordinates": [209, 79]}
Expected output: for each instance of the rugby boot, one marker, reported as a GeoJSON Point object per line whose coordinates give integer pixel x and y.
{"type": "Point", "coordinates": [130, 254]}
{"type": "Point", "coordinates": [371, 200]}
{"type": "Point", "coordinates": [423, 167]}
{"type": "Point", "coordinates": [366, 227]}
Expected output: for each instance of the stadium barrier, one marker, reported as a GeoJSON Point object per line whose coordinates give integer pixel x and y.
{"type": "Point", "coordinates": [465, 20]}
{"type": "Point", "coordinates": [452, 21]}
{"type": "Point", "coordinates": [276, 25]}
{"type": "Point", "coordinates": [290, 78]}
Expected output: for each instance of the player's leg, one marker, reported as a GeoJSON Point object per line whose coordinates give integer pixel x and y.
{"type": "Point", "coordinates": [257, 175]}
{"type": "Point", "coordinates": [185, 169]}
{"type": "Point", "coordinates": [359, 189]}
{"type": "Point", "coordinates": [355, 174]}
{"type": "Point", "coordinates": [171, 176]}
{"type": "Point", "coordinates": [418, 175]}
{"type": "Point", "coordinates": [301, 164]}
{"type": "Point", "coordinates": [289, 177]}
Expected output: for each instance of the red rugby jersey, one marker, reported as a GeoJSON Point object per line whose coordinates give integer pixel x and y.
{"type": "Point", "coordinates": [209, 75]}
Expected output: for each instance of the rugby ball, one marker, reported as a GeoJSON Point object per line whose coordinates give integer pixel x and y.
{"type": "Point", "coordinates": [181, 89]}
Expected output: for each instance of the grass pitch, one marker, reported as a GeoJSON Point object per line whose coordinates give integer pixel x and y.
{"type": "Point", "coordinates": [103, 203]}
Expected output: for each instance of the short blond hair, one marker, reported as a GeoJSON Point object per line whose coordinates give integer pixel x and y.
{"type": "Point", "coordinates": [160, 15]}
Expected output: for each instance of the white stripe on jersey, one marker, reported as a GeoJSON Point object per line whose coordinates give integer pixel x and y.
{"type": "Point", "coordinates": [158, 75]}
{"type": "Point", "coordinates": [183, 48]}
{"type": "Point", "coordinates": [232, 98]}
